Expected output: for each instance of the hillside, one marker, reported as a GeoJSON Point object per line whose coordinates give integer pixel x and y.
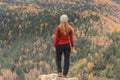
{"type": "Point", "coordinates": [26, 43]}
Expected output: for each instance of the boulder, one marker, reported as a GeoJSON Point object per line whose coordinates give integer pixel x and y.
{"type": "Point", "coordinates": [54, 76]}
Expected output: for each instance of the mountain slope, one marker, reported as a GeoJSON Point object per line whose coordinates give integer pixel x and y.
{"type": "Point", "coordinates": [108, 8]}
{"type": "Point", "coordinates": [26, 40]}
{"type": "Point", "coordinates": [112, 25]}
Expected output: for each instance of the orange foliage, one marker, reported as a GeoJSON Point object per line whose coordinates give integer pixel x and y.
{"type": "Point", "coordinates": [78, 33]}
{"type": "Point", "coordinates": [84, 61]}
{"type": "Point", "coordinates": [33, 74]}
{"type": "Point", "coordinates": [41, 63]}
{"type": "Point", "coordinates": [30, 8]}
{"type": "Point", "coordinates": [6, 73]}
{"type": "Point", "coordinates": [13, 7]}
{"type": "Point", "coordinates": [53, 60]}
{"type": "Point", "coordinates": [48, 67]}
{"type": "Point", "coordinates": [31, 62]}
{"type": "Point", "coordinates": [44, 46]}
{"type": "Point", "coordinates": [41, 55]}
{"type": "Point", "coordinates": [90, 65]}
{"type": "Point", "coordinates": [90, 76]}
{"type": "Point", "coordinates": [85, 13]}
{"type": "Point", "coordinates": [101, 41]}
{"type": "Point", "coordinates": [71, 3]}
{"type": "Point", "coordinates": [3, 3]}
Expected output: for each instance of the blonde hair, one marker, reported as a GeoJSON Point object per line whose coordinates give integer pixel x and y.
{"type": "Point", "coordinates": [65, 28]}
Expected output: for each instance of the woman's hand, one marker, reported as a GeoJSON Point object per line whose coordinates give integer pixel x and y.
{"type": "Point", "coordinates": [54, 49]}
{"type": "Point", "coordinates": [73, 51]}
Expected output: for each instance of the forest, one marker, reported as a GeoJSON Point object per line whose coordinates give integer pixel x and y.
{"type": "Point", "coordinates": [26, 38]}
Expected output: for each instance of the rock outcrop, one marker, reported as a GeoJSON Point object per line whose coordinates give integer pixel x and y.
{"type": "Point", "coordinates": [54, 76]}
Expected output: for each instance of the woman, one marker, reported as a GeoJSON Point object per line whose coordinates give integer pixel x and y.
{"type": "Point", "coordinates": [63, 44]}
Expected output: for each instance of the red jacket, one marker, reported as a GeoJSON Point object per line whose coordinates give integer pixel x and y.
{"type": "Point", "coordinates": [60, 39]}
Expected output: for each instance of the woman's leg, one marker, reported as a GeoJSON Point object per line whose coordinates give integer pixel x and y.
{"type": "Point", "coordinates": [58, 58]}
{"type": "Point", "coordinates": [66, 59]}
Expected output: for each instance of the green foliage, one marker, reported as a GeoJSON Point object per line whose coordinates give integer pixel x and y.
{"type": "Point", "coordinates": [100, 64]}
{"type": "Point", "coordinates": [82, 47]}
{"type": "Point", "coordinates": [116, 67]}
{"type": "Point", "coordinates": [20, 73]}
{"type": "Point", "coordinates": [112, 55]}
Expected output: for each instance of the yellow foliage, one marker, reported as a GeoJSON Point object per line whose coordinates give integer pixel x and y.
{"type": "Point", "coordinates": [3, 3]}
{"type": "Point", "coordinates": [41, 24]}
{"type": "Point", "coordinates": [13, 7]}
{"type": "Point", "coordinates": [101, 41]}
{"type": "Point", "coordinates": [85, 13]}
{"type": "Point", "coordinates": [19, 27]}
{"type": "Point", "coordinates": [30, 8]}
{"type": "Point", "coordinates": [90, 65]}
{"type": "Point", "coordinates": [97, 55]}
{"type": "Point", "coordinates": [46, 24]}
{"type": "Point", "coordinates": [84, 61]}
{"type": "Point", "coordinates": [31, 62]}
{"type": "Point", "coordinates": [8, 73]}
{"type": "Point", "coordinates": [90, 76]}
{"type": "Point", "coordinates": [83, 34]}
{"type": "Point", "coordinates": [53, 60]}
{"type": "Point", "coordinates": [26, 62]}
{"type": "Point", "coordinates": [75, 20]}
{"type": "Point", "coordinates": [44, 46]}
{"type": "Point", "coordinates": [41, 55]}
{"type": "Point", "coordinates": [41, 63]}
{"type": "Point", "coordinates": [37, 42]}
{"type": "Point", "coordinates": [90, 57]}
{"type": "Point", "coordinates": [48, 67]}
{"type": "Point", "coordinates": [71, 3]}
{"type": "Point", "coordinates": [10, 33]}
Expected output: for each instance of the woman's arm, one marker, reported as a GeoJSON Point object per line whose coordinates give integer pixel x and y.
{"type": "Point", "coordinates": [72, 37]}
{"type": "Point", "coordinates": [56, 37]}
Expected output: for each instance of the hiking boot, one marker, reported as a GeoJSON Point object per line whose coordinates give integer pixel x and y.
{"type": "Point", "coordinates": [64, 76]}
{"type": "Point", "coordinates": [59, 74]}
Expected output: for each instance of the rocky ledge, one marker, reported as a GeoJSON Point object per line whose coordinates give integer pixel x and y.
{"type": "Point", "coordinates": [54, 76]}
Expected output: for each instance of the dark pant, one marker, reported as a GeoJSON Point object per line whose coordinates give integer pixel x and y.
{"type": "Point", "coordinates": [63, 49]}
